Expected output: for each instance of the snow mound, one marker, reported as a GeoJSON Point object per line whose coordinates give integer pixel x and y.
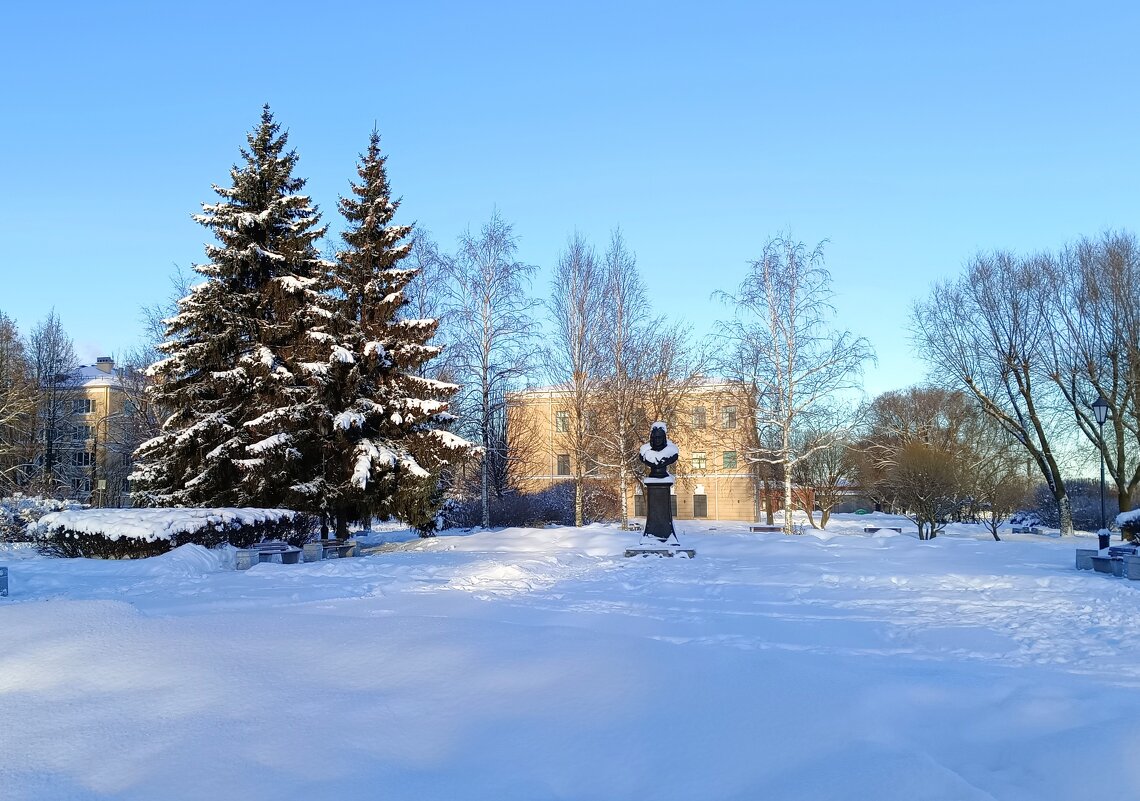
{"type": "Point", "coordinates": [191, 560]}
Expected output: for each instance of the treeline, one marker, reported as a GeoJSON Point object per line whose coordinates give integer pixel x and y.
{"type": "Point", "coordinates": [1020, 348]}
{"type": "Point", "coordinates": [353, 384]}
{"type": "Point", "coordinates": [1034, 341]}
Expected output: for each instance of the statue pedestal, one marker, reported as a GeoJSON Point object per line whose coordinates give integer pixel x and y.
{"type": "Point", "coordinates": [651, 546]}
{"type": "Point", "coordinates": [660, 538]}
{"type": "Point", "coordinates": [659, 509]}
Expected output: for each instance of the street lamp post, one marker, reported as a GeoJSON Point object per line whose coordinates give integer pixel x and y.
{"type": "Point", "coordinates": [1100, 409]}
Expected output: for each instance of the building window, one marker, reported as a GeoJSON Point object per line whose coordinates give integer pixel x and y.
{"type": "Point", "coordinates": [81, 432]}
{"type": "Point", "coordinates": [84, 458]}
{"type": "Point", "coordinates": [673, 505]}
{"type": "Point", "coordinates": [82, 406]}
{"type": "Point", "coordinates": [700, 506]}
{"type": "Point", "coordinates": [81, 486]}
{"type": "Point", "coordinates": [562, 422]}
{"type": "Point", "coordinates": [698, 417]}
{"type": "Point", "coordinates": [563, 464]}
{"type": "Point", "coordinates": [729, 458]}
{"type": "Point", "coordinates": [728, 417]}
{"type": "Point", "coordinates": [639, 506]}
{"type": "Point", "coordinates": [699, 460]}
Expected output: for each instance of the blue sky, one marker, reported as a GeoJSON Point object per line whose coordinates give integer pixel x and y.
{"type": "Point", "coordinates": [910, 135]}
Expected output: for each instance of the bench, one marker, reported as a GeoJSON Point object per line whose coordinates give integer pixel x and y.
{"type": "Point", "coordinates": [876, 529]}
{"type": "Point", "coordinates": [766, 529]}
{"type": "Point", "coordinates": [1112, 565]}
{"type": "Point", "coordinates": [1028, 530]}
{"type": "Point", "coordinates": [329, 549]}
{"type": "Point", "coordinates": [260, 552]}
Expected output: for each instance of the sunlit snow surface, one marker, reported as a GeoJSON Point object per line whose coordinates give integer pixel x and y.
{"type": "Point", "coordinates": [541, 664]}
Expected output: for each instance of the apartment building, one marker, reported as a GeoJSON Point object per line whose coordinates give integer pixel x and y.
{"type": "Point", "coordinates": [710, 428]}
{"type": "Point", "coordinates": [94, 448]}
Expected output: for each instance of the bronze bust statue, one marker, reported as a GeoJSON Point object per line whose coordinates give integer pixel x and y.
{"type": "Point", "coordinates": [659, 453]}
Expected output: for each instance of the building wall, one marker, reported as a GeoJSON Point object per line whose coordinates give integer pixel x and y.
{"type": "Point", "coordinates": [99, 477]}
{"type": "Point", "coordinates": [703, 442]}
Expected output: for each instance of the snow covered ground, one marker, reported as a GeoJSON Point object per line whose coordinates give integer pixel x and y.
{"type": "Point", "coordinates": [541, 664]}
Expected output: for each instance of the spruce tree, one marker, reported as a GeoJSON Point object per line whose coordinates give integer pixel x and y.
{"type": "Point", "coordinates": [231, 380]}
{"type": "Point", "coordinates": [384, 439]}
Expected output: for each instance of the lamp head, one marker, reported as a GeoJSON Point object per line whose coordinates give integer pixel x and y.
{"type": "Point", "coordinates": [1100, 409]}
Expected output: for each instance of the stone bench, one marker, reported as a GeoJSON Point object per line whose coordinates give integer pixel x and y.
{"type": "Point", "coordinates": [329, 549]}
{"type": "Point", "coordinates": [875, 529]}
{"type": "Point", "coordinates": [246, 558]}
{"type": "Point", "coordinates": [1084, 558]}
{"type": "Point", "coordinates": [766, 529]}
{"type": "Point", "coordinates": [1113, 566]}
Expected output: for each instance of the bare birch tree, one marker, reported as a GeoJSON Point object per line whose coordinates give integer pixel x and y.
{"type": "Point", "coordinates": [988, 333]}
{"type": "Point", "coordinates": [426, 300]}
{"type": "Point", "coordinates": [17, 404]}
{"type": "Point", "coordinates": [577, 312]}
{"type": "Point", "coordinates": [781, 338]}
{"type": "Point", "coordinates": [52, 357]}
{"type": "Point", "coordinates": [625, 363]}
{"type": "Point", "coordinates": [490, 332]}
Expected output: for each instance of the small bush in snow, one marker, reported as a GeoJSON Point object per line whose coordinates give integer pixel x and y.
{"type": "Point", "coordinates": [554, 504]}
{"type": "Point", "coordinates": [18, 512]}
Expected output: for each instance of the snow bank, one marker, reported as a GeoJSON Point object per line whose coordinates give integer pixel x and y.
{"type": "Point", "coordinates": [522, 664]}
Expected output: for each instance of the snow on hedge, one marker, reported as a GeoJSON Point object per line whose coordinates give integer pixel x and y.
{"type": "Point", "coordinates": [18, 512]}
{"type": "Point", "coordinates": [153, 524]}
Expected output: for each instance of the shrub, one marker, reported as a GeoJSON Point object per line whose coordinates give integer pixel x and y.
{"type": "Point", "coordinates": [139, 533]}
{"type": "Point", "coordinates": [553, 504]}
{"type": "Point", "coordinates": [1084, 496]}
{"type": "Point", "coordinates": [18, 512]}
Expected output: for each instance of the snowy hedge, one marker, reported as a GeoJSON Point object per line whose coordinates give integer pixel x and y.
{"type": "Point", "coordinates": [18, 512]}
{"type": "Point", "coordinates": [137, 533]}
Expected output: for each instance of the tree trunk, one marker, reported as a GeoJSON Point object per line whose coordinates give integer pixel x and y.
{"type": "Point", "coordinates": [1124, 498]}
{"type": "Point", "coordinates": [1065, 507]}
{"type": "Point", "coordinates": [787, 498]}
{"type": "Point", "coordinates": [578, 493]}
{"type": "Point", "coordinates": [757, 492]}
{"type": "Point", "coordinates": [485, 462]}
{"type": "Point", "coordinates": [769, 510]}
{"type": "Point", "coordinates": [622, 481]}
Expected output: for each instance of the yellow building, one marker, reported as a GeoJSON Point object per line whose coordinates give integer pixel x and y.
{"type": "Point", "coordinates": [710, 428]}
{"type": "Point", "coordinates": [96, 448]}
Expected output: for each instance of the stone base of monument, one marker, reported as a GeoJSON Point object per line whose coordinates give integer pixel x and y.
{"type": "Point", "coordinates": [651, 546]}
